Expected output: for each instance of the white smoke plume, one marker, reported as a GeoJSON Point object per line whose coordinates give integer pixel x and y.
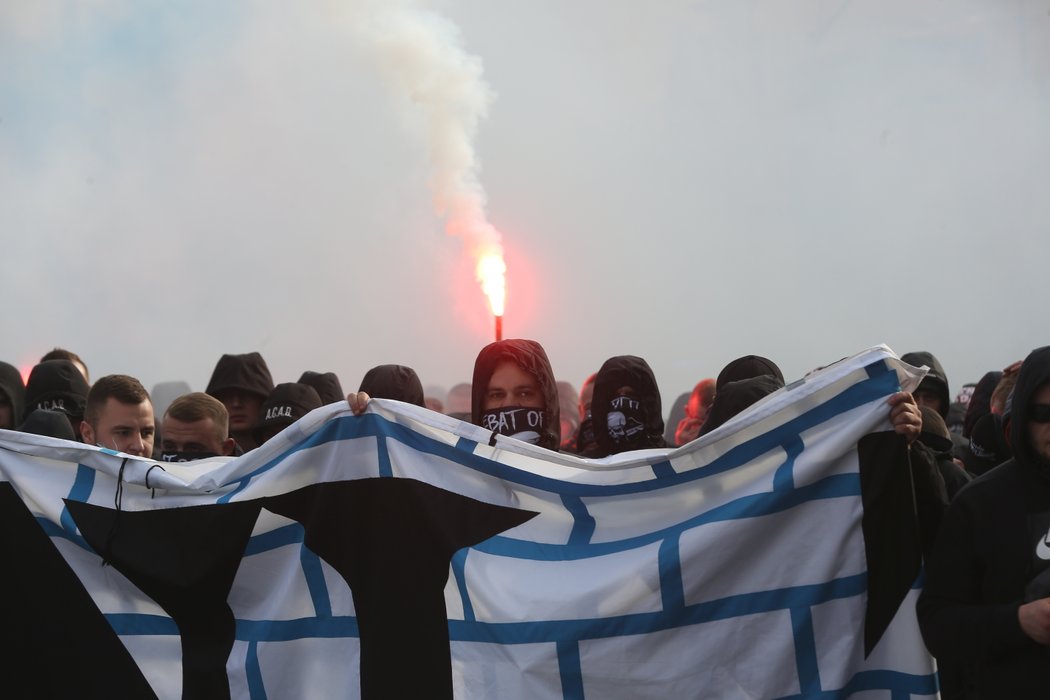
{"type": "Point", "coordinates": [421, 57]}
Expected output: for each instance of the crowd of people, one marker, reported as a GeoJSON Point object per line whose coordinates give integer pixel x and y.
{"type": "Point", "coordinates": [981, 460]}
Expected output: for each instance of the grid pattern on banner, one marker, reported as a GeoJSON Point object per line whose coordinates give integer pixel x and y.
{"type": "Point", "coordinates": [567, 637]}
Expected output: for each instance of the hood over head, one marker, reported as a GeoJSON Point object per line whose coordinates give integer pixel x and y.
{"type": "Point", "coordinates": [746, 367]}
{"type": "Point", "coordinates": [531, 357]}
{"type": "Point", "coordinates": [13, 391]}
{"type": "Point", "coordinates": [736, 396]}
{"type": "Point", "coordinates": [396, 382]}
{"type": "Point", "coordinates": [247, 372]}
{"type": "Point", "coordinates": [1035, 372]}
{"type": "Point", "coordinates": [935, 380]}
{"type": "Point", "coordinates": [50, 423]}
{"type": "Point", "coordinates": [617, 372]}
{"type": "Point", "coordinates": [981, 401]}
{"type": "Point", "coordinates": [326, 385]}
{"type": "Point", "coordinates": [56, 385]}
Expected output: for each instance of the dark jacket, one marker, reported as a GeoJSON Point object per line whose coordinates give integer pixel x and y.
{"type": "Point", "coordinates": [247, 372]}
{"type": "Point", "coordinates": [396, 382]}
{"type": "Point", "coordinates": [617, 372]}
{"type": "Point", "coordinates": [981, 402]}
{"type": "Point", "coordinates": [991, 544]}
{"type": "Point", "coordinates": [326, 384]}
{"type": "Point", "coordinates": [530, 356]}
{"type": "Point", "coordinates": [13, 391]}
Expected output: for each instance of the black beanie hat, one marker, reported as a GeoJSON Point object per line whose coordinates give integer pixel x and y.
{"type": "Point", "coordinates": [325, 384]}
{"type": "Point", "coordinates": [286, 404]}
{"type": "Point", "coordinates": [747, 367]}
{"type": "Point", "coordinates": [56, 385]}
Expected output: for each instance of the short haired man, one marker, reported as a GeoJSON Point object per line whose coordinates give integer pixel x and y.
{"type": "Point", "coordinates": [985, 608]}
{"type": "Point", "coordinates": [195, 426]}
{"type": "Point", "coordinates": [69, 355]}
{"type": "Point", "coordinates": [119, 415]}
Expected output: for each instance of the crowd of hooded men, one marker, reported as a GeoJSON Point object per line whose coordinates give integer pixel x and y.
{"type": "Point", "coordinates": [980, 463]}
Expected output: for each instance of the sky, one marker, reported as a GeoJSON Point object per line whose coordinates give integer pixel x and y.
{"type": "Point", "coordinates": [684, 181]}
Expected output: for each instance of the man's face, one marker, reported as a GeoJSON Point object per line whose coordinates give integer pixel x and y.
{"type": "Point", "coordinates": [927, 398]}
{"type": "Point", "coordinates": [198, 437]}
{"type": "Point", "coordinates": [510, 385]}
{"type": "Point", "coordinates": [1039, 433]}
{"type": "Point", "coordinates": [122, 427]}
{"type": "Point", "coordinates": [243, 408]}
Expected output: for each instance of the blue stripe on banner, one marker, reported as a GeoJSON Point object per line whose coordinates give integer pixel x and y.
{"type": "Point", "coordinates": [274, 539]}
{"type": "Point", "coordinates": [663, 470]}
{"type": "Point", "coordinates": [302, 628]}
{"type": "Point", "coordinates": [784, 478]}
{"type": "Point", "coordinates": [805, 651]}
{"type": "Point", "coordinates": [133, 624]}
{"type": "Point", "coordinates": [570, 671]}
{"type": "Point", "coordinates": [901, 686]}
{"type": "Point", "coordinates": [882, 381]}
{"type": "Point", "coordinates": [466, 445]}
{"type": "Point", "coordinates": [83, 483]}
{"type": "Point", "coordinates": [256, 689]}
{"type": "Point", "coordinates": [671, 590]}
{"type": "Point", "coordinates": [552, 631]}
{"type": "Point", "coordinates": [834, 486]}
{"type": "Point", "coordinates": [582, 522]}
{"type": "Point", "coordinates": [459, 570]}
{"type": "Point", "coordinates": [383, 457]}
{"type": "Point", "coordinates": [314, 574]}
{"type": "Point", "coordinates": [53, 529]}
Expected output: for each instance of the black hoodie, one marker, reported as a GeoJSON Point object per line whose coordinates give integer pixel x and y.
{"type": "Point", "coordinates": [326, 385]}
{"type": "Point", "coordinates": [13, 391]}
{"type": "Point", "coordinates": [247, 372]}
{"type": "Point", "coordinates": [935, 380]}
{"type": "Point", "coordinates": [530, 356]}
{"type": "Point", "coordinates": [396, 382]}
{"type": "Point", "coordinates": [617, 372]}
{"type": "Point", "coordinates": [991, 545]}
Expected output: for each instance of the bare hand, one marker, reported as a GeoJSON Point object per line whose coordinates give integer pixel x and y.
{"type": "Point", "coordinates": [1035, 619]}
{"type": "Point", "coordinates": [358, 401]}
{"type": "Point", "coordinates": [905, 415]}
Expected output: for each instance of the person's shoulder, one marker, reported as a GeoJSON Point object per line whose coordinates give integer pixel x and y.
{"type": "Point", "coordinates": [1003, 479]}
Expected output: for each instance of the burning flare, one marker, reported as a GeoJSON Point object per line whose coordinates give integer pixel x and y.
{"type": "Point", "coordinates": [491, 273]}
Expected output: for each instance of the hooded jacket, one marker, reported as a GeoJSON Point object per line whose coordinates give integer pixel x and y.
{"type": "Point", "coordinates": [736, 396]}
{"type": "Point", "coordinates": [247, 372]}
{"type": "Point", "coordinates": [747, 367]}
{"type": "Point", "coordinates": [992, 543]}
{"type": "Point", "coordinates": [396, 382]}
{"type": "Point", "coordinates": [981, 401]}
{"type": "Point", "coordinates": [56, 385]}
{"type": "Point", "coordinates": [530, 356]}
{"type": "Point", "coordinates": [617, 372]}
{"type": "Point", "coordinates": [325, 384]}
{"type": "Point", "coordinates": [13, 391]}
{"type": "Point", "coordinates": [935, 380]}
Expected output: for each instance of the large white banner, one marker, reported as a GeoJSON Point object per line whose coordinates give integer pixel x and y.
{"type": "Point", "coordinates": [402, 553]}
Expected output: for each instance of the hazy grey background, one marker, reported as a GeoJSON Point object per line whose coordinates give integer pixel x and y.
{"type": "Point", "coordinates": [685, 181]}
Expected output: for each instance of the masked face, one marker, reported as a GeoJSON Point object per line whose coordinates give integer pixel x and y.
{"type": "Point", "coordinates": [185, 456]}
{"type": "Point", "coordinates": [520, 422]}
{"type": "Point", "coordinates": [625, 421]}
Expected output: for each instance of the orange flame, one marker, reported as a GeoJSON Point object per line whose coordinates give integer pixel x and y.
{"type": "Point", "coordinates": [491, 272]}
